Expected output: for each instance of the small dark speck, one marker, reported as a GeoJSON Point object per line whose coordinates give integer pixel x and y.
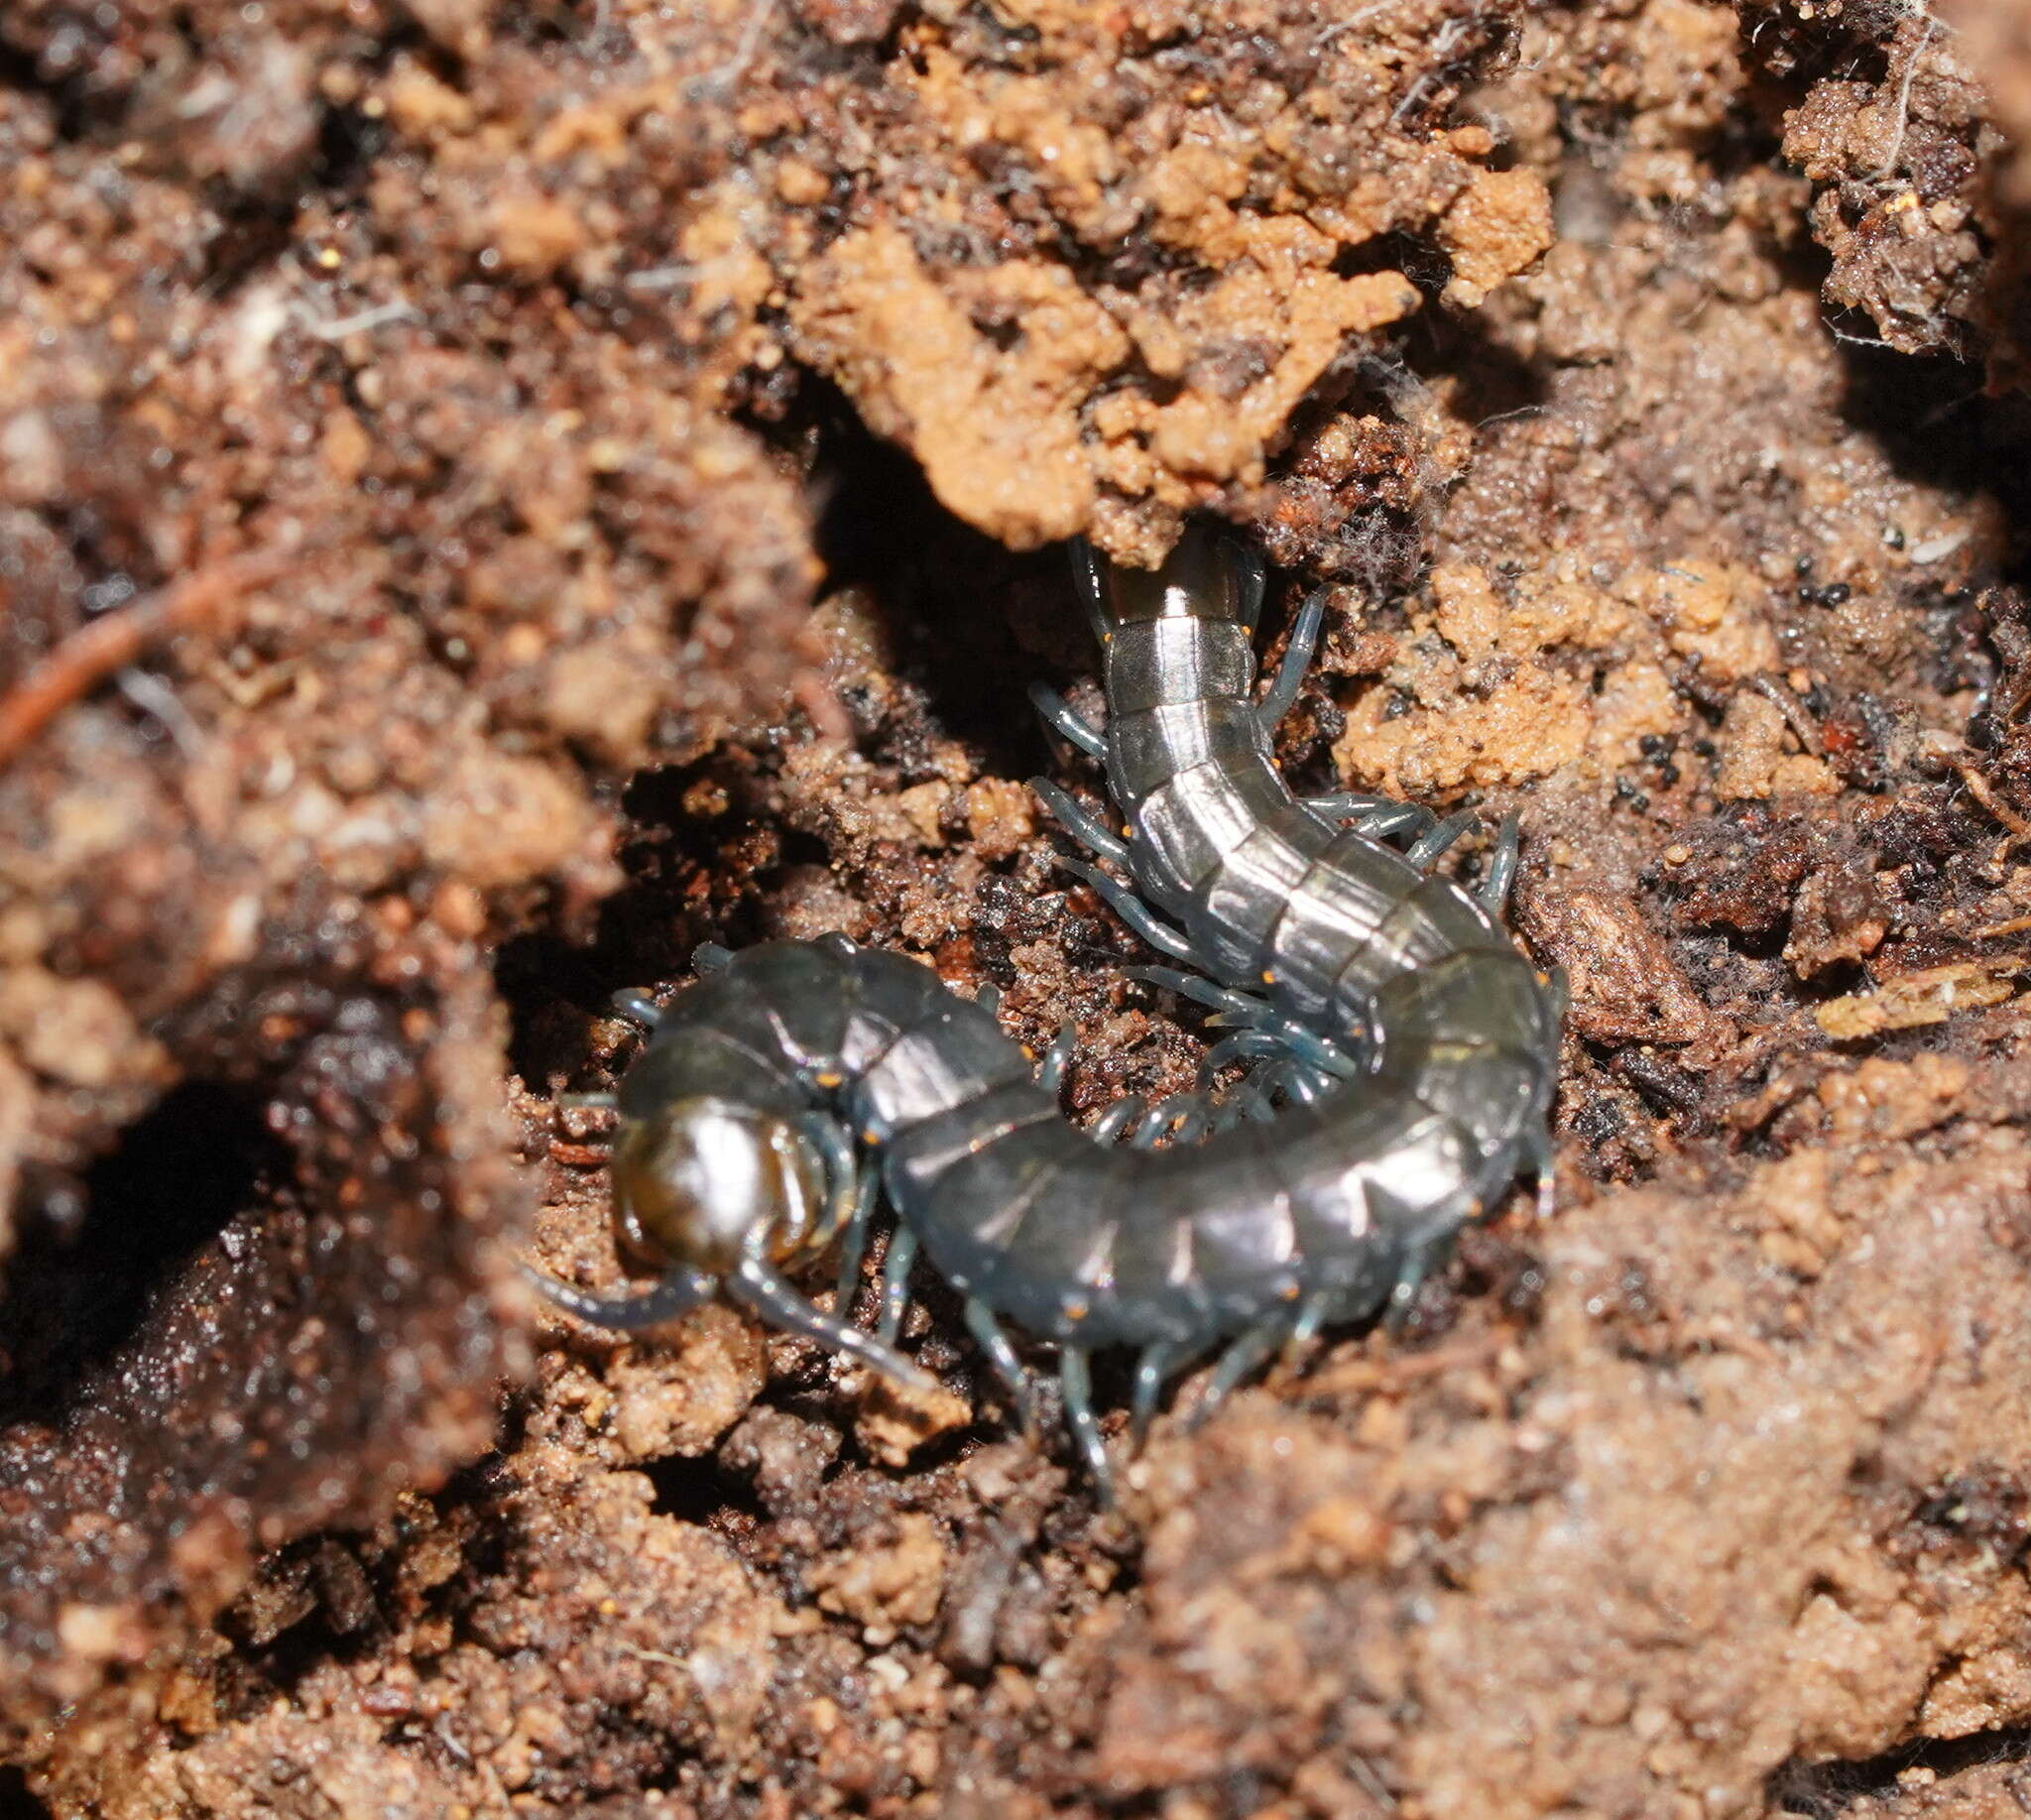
{"type": "Point", "coordinates": [1599, 1120]}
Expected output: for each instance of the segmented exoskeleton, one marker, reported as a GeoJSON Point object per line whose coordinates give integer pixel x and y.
{"type": "Point", "coordinates": [1414, 1048]}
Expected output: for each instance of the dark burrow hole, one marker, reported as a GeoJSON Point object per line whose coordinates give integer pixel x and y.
{"type": "Point", "coordinates": [1827, 1790]}
{"type": "Point", "coordinates": [86, 1271]}
{"type": "Point", "coordinates": [16, 1803]}
{"type": "Point", "coordinates": [937, 588]}
{"type": "Point", "coordinates": [702, 1490]}
{"type": "Point", "coordinates": [937, 583]}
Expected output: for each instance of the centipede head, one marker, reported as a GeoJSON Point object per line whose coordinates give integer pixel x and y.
{"type": "Point", "coordinates": [707, 1182]}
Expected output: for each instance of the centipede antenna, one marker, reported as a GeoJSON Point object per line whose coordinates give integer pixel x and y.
{"type": "Point", "coordinates": [758, 1285]}
{"type": "Point", "coordinates": [1058, 714]}
{"type": "Point", "coordinates": [1051, 1073]}
{"type": "Point", "coordinates": [638, 1007]}
{"type": "Point", "coordinates": [709, 958]}
{"type": "Point", "coordinates": [679, 1293]}
{"type": "Point", "coordinates": [1001, 1354]}
{"type": "Point", "coordinates": [1501, 867]}
{"type": "Point", "coordinates": [1075, 1378]}
{"type": "Point", "coordinates": [1297, 658]}
{"type": "Point", "coordinates": [896, 1269]}
{"type": "Point", "coordinates": [1435, 840]}
{"type": "Point", "coordinates": [1124, 905]}
{"type": "Point", "coordinates": [1076, 822]}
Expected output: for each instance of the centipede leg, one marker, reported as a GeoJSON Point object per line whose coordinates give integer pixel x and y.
{"type": "Point", "coordinates": [1297, 658]}
{"type": "Point", "coordinates": [1058, 714]}
{"type": "Point", "coordinates": [1183, 1116]}
{"type": "Point", "coordinates": [636, 1006]}
{"type": "Point", "coordinates": [1372, 815]}
{"type": "Point", "coordinates": [1000, 1352]}
{"type": "Point", "coordinates": [1434, 841]}
{"type": "Point", "coordinates": [896, 1267]}
{"type": "Point", "coordinates": [1538, 1158]}
{"type": "Point", "coordinates": [1253, 1013]}
{"type": "Point", "coordinates": [1254, 1100]}
{"type": "Point", "coordinates": [1245, 1355]}
{"type": "Point", "coordinates": [758, 1285]}
{"type": "Point", "coordinates": [1108, 1127]}
{"type": "Point", "coordinates": [586, 1102]}
{"type": "Point", "coordinates": [853, 1239]}
{"type": "Point", "coordinates": [1155, 1366]}
{"type": "Point", "coordinates": [1132, 910]}
{"type": "Point", "coordinates": [1501, 868]}
{"type": "Point", "coordinates": [1143, 1135]}
{"type": "Point", "coordinates": [1305, 1084]}
{"type": "Point", "coordinates": [989, 996]}
{"type": "Point", "coordinates": [1402, 817]}
{"type": "Point", "coordinates": [1351, 805]}
{"type": "Point", "coordinates": [835, 1151]}
{"type": "Point", "coordinates": [1075, 1377]}
{"type": "Point", "coordinates": [1051, 1073]}
{"type": "Point", "coordinates": [1235, 1044]}
{"type": "Point", "coordinates": [1240, 1006]}
{"type": "Point", "coordinates": [710, 958]}
{"type": "Point", "coordinates": [1418, 1263]}
{"type": "Point", "coordinates": [679, 1293]}
{"type": "Point", "coordinates": [1313, 1313]}
{"type": "Point", "coordinates": [1077, 823]}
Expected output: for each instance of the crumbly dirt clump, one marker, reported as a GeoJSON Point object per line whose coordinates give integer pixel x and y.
{"type": "Point", "coordinates": [492, 496]}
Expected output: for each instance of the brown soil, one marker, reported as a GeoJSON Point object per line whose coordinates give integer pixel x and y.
{"type": "Point", "coordinates": [491, 496]}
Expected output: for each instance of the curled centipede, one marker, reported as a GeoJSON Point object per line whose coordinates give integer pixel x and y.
{"type": "Point", "coordinates": [1404, 1059]}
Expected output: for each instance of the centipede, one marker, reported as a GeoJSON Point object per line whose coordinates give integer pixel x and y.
{"type": "Point", "coordinates": [1400, 1060]}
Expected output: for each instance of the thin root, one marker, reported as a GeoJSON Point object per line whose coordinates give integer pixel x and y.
{"type": "Point", "coordinates": [114, 640]}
